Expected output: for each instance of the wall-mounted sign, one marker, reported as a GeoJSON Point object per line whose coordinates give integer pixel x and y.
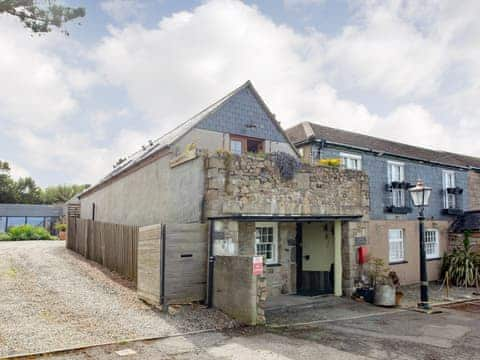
{"type": "Point", "coordinates": [257, 265]}
{"type": "Point", "coordinates": [360, 240]}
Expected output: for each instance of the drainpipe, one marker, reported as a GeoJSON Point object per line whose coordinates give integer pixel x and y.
{"type": "Point", "coordinates": [163, 244]}
{"type": "Point", "coordinates": [211, 266]}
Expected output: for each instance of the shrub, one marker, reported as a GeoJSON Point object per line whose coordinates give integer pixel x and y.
{"type": "Point", "coordinates": [330, 162]}
{"type": "Point", "coordinates": [286, 164]}
{"type": "Point", "coordinates": [61, 227]}
{"type": "Point", "coordinates": [28, 232]}
{"type": "Point", "coordinates": [462, 264]}
{"type": "Point", "coordinates": [4, 237]}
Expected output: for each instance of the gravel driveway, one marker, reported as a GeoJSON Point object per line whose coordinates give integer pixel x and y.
{"type": "Point", "coordinates": [52, 298]}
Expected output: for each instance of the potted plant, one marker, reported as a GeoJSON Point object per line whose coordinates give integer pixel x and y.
{"type": "Point", "coordinates": [381, 282]}
{"type": "Point", "coordinates": [62, 231]}
{"type": "Point", "coordinates": [396, 284]}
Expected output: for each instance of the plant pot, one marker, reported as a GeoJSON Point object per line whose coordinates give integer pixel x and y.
{"type": "Point", "coordinates": [62, 235]}
{"type": "Point", "coordinates": [398, 298]}
{"type": "Point", "coordinates": [384, 295]}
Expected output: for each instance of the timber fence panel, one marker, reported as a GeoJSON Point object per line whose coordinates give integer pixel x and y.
{"type": "Point", "coordinates": [111, 245]}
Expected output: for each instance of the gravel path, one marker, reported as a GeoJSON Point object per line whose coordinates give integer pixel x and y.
{"type": "Point", "coordinates": [52, 298]}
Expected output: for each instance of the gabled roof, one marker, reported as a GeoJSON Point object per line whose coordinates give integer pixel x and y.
{"type": "Point", "coordinates": [178, 132]}
{"type": "Point", "coordinates": [307, 132]}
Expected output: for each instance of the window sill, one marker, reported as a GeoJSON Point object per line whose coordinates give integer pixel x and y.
{"type": "Point", "coordinates": [398, 262]}
{"type": "Point", "coordinates": [434, 259]}
{"type": "Point", "coordinates": [273, 265]}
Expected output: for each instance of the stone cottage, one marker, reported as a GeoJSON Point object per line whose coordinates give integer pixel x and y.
{"type": "Point", "coordinates": [233, 167]}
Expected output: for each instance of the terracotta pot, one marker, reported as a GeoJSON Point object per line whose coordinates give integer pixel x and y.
{"type": "Point", "coordinates": [62, 235]}
{"type": "Point", "coordinates": [398, 298]}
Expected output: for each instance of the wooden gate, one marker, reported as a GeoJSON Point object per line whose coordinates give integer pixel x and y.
{"type": "Point", "coordinates": [172, 263]}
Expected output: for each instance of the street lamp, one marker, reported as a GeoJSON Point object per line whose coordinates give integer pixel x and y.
{"type": "Point", "coordinates": [420, 196]}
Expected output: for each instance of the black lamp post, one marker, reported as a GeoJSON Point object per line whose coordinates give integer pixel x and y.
{"type": "Point", "coordinates": [420, 196]}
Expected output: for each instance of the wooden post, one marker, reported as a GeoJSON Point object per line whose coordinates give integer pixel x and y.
{"type": "Point", "coordinates": [338, 259]}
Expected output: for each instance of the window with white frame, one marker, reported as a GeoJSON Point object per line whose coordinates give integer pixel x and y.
{"type": "Point", "coordinates": [396, 173]}
{"type": "Point", "coordinates": [351, 161]}
{"type": "Point", "coordinates": [450, 200]}
{"type": "Point", "coordinates": [266, 241]}
{"type": "Point", "coordinates": [432, 246]}
{"type": "Point", "coordinates": [396, 247]}
{"type": "Point", "coordinates": [236, 147]}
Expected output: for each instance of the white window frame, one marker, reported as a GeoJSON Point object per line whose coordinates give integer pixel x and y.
{"type": "Point", "coordinates": [348, 161]}
{"type": "Point", "coordinates": [396, 246]}
{"type": "Point", "coordinates": [232, 141]}
{"type": "Point", "coordinates": [274, 226]}
{"type": "Point", "coordinates": [432, 251]}
{"type": "Point", "coordinates": [401, 166]}
{"type": "Point", "coordinates": [449, 200]}
{"type": "Point", "coordinates": [398, 195]}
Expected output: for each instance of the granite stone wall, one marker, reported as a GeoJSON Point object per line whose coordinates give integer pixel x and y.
{"type": "Point", "coordinates": [253, 185]}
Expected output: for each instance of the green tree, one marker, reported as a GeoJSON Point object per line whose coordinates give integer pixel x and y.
{"type": "Point", "coordinates": [27, 191]}
{"type": "Point", "coordinates": [61, 193]}
{"type": "Point", "coordinates": [40, 16]}
{"type": "Point", "coordinates": [8, 193]}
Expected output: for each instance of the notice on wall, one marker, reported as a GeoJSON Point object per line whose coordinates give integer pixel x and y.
{"type": "Point", "coordinates": [257, 265]}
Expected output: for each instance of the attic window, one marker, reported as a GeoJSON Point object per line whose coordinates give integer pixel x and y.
{"type": "Point", "coordinates": [242, 144]}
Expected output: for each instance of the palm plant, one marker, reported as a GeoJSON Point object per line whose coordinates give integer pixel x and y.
{"type": "Point", "coordinates": [463, 263]}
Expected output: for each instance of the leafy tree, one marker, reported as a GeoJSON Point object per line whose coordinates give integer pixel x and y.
{"type": "Point", "coordinates": [40, 16]}
{"type": "Point", "coordinates": [61, 193]}
{"type": "Point", "coordinates": [8, 192]}
{"type": "Point", "coordinates": [4, 166]}
{"type": "Point", "coordinates": [27, 191]}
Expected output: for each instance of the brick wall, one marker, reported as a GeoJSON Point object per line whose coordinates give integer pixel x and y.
{"type": "Point", "coordinates": [474, 190]}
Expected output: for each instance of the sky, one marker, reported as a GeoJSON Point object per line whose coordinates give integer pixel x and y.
{"type": "Point", "coordinates": [70, 106]}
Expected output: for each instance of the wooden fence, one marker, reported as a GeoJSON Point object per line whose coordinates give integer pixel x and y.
{"type": "Point", "coordinates": [111, 245]}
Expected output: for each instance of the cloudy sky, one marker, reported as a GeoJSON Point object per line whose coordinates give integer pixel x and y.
{"type": "Point", "coordinates": [70, 106]}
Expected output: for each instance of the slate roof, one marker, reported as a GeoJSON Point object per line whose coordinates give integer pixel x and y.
{"type": "Point", "coordinates": [30, 210]}
{"type": "Point", "coordinates": [470, 220]}
{"type": "Point", "coordinates": [307, 132]}
{"type": "Point", "coordinates": [178, 132]}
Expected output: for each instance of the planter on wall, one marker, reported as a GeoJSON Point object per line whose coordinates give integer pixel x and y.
{"type": "Point", "coordinates": [398, 210]}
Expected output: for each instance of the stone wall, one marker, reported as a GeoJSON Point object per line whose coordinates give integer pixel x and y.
{"type": "Point", "coordinates": [237, 292]}
{"type": "Point", "coordinates": [354, 233]}
{"type": "Point", "coordinates": [253, 185]}
{"type": "Point", "coordinates": [474, 190]}
{"type": "Point", "coordinates": [237, 238]}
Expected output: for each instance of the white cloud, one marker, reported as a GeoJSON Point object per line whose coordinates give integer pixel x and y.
{"type": "Point", "coordinates": [396, 51]}
{"type": "Point", "coordinates": [33, 92]}
{"type": "Point", "coordinates": [388, 54]}
{"type": "Point", "coordinates": [193, 58]}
